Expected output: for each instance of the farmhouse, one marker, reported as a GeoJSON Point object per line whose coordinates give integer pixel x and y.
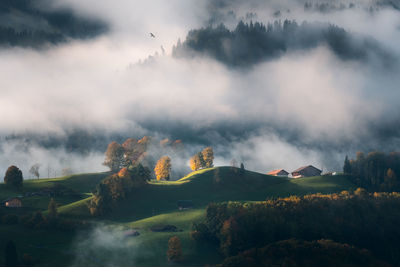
{"type": "Point", "coordinates": [306, 171]}
{"type": "Point", "coordinates": [280, 173]}
{"type": "Point", "coordinates": [14, 202]}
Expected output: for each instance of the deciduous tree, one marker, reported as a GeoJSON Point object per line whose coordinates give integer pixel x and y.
{"type": "Point", "coordinates": [163, 168]}
{"type": "Point", "coordinates": [13, 177]}
{"type": "Point", "coordinates": [34, 170]}
{"type": "Point", "coordinates": [174, 252]}
{"type": "Point", "coordinates": [114, 156]}
{"type": "Point", "coordinates": [208, 156]}
{"type": "Point", "coordinates": [197, 162]}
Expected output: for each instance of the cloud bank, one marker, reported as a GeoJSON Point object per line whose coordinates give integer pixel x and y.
{"type": "Point", "coordinates": [305, 107]}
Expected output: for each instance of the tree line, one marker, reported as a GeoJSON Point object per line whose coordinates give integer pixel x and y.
{"type": "Point", "coordinates": [252, 43]}
{"type": "Point", "coordinates": [62, 25]}
{"type": "Point", "coordinates": [375, 171]}
{"type": "Point", "coordinates": [360, 219]}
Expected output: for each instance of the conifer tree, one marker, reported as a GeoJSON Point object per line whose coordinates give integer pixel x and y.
{"type": "Point", "coordinates": [347, 166]}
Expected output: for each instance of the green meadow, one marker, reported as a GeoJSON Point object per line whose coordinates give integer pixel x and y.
{"type": "Point", "coordinates": [154, 204]}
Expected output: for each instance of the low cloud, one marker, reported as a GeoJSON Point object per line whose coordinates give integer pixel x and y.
{"type": "Point", "coordinates": [311, 105]}
{"type": "Point", "coordinates": [107, 246]}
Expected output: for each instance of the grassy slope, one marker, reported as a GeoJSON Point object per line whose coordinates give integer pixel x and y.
{"type": "Point", "coordinates": [209, 185]}
{"type": "Point", "coordinates": [156, 203]}
{"type": "Point", "coordinates": [202, 187]}
{"type": "Point", "coordinates": [81, 183]}
{"type": "Point", "coordinates": [53, 246]}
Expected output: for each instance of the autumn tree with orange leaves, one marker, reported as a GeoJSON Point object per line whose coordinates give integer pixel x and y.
{"type": "Point", "coordinates": [197, 162]}
{"type": "Point", "coordinates": [208, 156]}
{"type": "Point", "coordinates": [114, 156]}
{"type": "Point", "coordinates": [163, 168]}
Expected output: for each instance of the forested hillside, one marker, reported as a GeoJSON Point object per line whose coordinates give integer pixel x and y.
{"type": "Point", "coordinates": [31, 23]}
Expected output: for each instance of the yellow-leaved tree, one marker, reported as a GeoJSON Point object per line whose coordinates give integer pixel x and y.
{"type": "Point", "coordinates": [208, 156]}
{"type": "Point", "coordinates": [197, 162]}
{"type": "Point", "coordinates": [163, 168]}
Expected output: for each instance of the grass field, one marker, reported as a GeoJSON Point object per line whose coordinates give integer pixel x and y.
{"type": "Point", "coordinates": [154, 204]}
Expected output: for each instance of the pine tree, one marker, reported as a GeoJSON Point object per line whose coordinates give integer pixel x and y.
{"type": "Point", "coordinates": [242, 170]}
{"type": "Point", "coordinates": [347, 166]}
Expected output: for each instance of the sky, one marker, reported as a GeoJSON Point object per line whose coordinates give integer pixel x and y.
{"type": "Point", "coordinates": [307, 106]}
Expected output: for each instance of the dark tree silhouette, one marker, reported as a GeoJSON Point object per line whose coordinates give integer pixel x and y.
{"type": "Point", "coordinates": [13, 177]}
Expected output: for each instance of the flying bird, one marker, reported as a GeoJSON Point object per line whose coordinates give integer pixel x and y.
{"type": "Point", "coordinates": [152, 35]}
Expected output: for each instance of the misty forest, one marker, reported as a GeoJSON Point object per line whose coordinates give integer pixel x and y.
{"type": "Point", "coordinates": [221, 133]}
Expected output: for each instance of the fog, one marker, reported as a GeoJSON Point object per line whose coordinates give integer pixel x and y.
{"type": "Point", "coordinates": [306, 107]}
{"type": "Point", "coordinates": [108, 246]}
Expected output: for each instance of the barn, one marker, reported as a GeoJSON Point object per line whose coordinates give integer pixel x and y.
{"type": "Point", "coordinates": [306, 171]}
{"type": "Point", "coordinates": [14, 202]}
{"type": "Point", "coordinates": [279, 172]}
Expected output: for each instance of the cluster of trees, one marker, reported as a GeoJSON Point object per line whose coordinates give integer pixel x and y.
{"type": "Point", "coordinates": [62, 24]}
{"type": "Point", "coordinates": [128, 153]}
{"type": "Point", "coordinates": [255, 42]}
{"type": "Point", "coordinates": [143, 151]}
{"type": "Point", "coordinates": [203, 159]}
{"type": "Point", "coordinates": [33, 38]}
{"type": "Point", "coordinates": [116, 187]}
{"type": "Point", "coordinates": [326, 7]}
{"type": "Point", "coordinates": [134, 151]}
{"type": "Point", "coordinates": [375, 171]}
{"type": "Point", "coordinates": [357, 218]}
{"type": "Point", "coordinates": [13, 177]}
{"type": "Point", "coordinates": [295, 252]}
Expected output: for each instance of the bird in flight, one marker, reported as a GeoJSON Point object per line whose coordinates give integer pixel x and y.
{"type": "Point", "coordinates": [152, 35]}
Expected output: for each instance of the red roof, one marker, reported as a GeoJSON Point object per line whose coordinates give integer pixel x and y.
{"type": "Point", "coordinates": [275, 172]}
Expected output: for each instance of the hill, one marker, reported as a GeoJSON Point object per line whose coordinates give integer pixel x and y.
{"type": "Point", "coordinates": [37, 193]}
{"type": "Point", "coordinates": [154, 204]}
{"type": "Point", "coordinates": [210, 185]}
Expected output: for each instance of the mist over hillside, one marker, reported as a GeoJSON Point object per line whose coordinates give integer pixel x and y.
{"type": "Point", "coordinates": [278, 84]}
{"type": "Point", "coordinates": [27, 23]}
